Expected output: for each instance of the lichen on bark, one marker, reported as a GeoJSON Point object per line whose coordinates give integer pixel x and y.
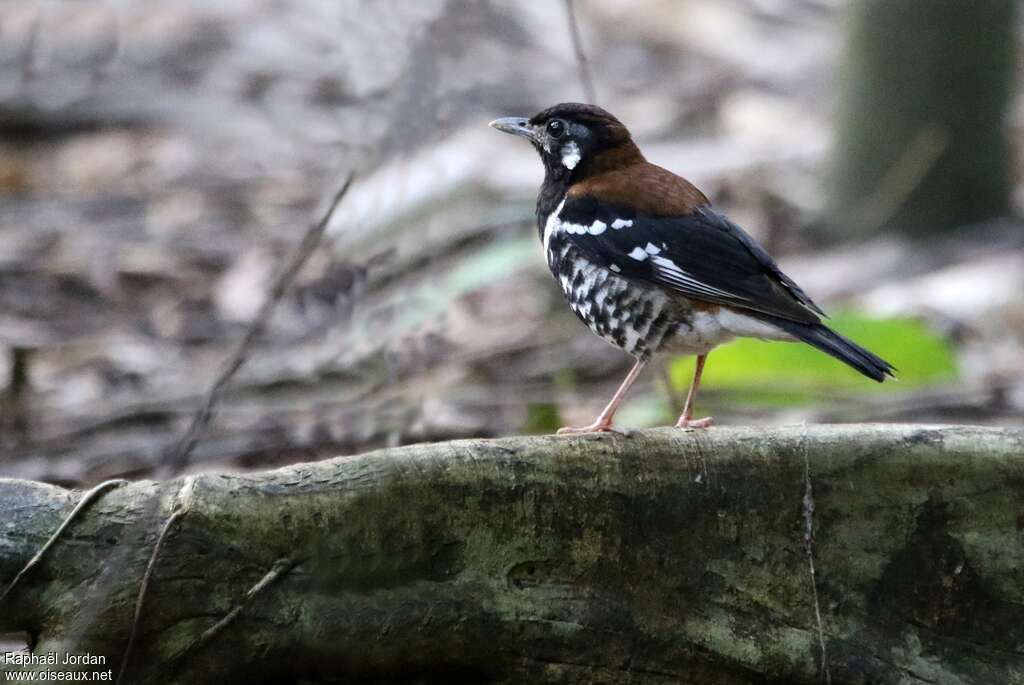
{"type": "Point", "coordinates": [658, 557]}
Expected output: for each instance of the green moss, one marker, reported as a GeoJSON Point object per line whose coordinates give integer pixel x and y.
{"type": "Point", "coordinates": [717, 635]}
{"type": "Point", "coordinates": [592, 553]}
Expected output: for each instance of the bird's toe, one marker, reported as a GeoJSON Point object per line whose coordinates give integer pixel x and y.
{"type": "Point", "coordinates": [691, 424]}
{"type": "Point", "coordinates": [593, 428]}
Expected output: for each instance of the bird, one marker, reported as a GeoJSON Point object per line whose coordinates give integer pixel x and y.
{"type": "Point", "coordinates": [649, 265]}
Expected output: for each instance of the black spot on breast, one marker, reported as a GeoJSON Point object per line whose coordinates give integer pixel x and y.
{"type": "Point", "coordinates": [660, 322]}
{"type": "Point", "coordinates": [641, 318]}
{"type": "Point", "coordinates": [577, 279]}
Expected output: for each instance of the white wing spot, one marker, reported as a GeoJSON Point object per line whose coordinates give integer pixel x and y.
{"type": "Point", "coordinates": [652, 249]}
{"type": "Point", "coordinates": [596, 228]}
{"type": "Point", "coordinates": [622, 223]}
{"type": "Point", "coordinates": [639, 254]}
{"type": "Point", "coordinates": [570, 155]}
{"type": "Point", "coordinates": [615, 268]}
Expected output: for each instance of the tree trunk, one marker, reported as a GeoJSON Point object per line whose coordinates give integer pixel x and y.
{"type": "Point", "coordinates": [804, 554]}
{"type": "Point", "coordinates": [922, 139]}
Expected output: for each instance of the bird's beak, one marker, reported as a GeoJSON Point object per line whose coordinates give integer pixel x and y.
{"type": "Point", "coordinates": [517, 126]}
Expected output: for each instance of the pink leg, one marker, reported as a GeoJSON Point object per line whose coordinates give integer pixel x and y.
{"type": "Point", "coordinates": [603, 423]}
{"type": "Point", "coordinates": [687, 420]}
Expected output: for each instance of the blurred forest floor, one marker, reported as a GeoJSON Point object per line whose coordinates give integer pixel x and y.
{"type": "Point", "coordinates": [158, 160]}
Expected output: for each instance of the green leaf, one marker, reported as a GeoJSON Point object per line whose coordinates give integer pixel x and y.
{"type": "Point", "coordinates": [767, 370]}
{"type": "Point", "coordinates": [500, 260]}
{"type": "Point", "coordinates": [541, 418]}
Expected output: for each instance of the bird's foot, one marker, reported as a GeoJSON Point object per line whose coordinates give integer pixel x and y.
{"type": "Point", "coordinates": [596, 427]}
{"type": "Point", "coordinates": [690, 424]}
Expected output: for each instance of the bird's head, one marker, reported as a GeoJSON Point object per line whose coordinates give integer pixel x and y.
{"type": "Point", "coordinates": [574, 140]}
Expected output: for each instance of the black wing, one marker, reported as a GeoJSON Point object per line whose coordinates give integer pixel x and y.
{"type": "Point", "coordinates": [702, 255]}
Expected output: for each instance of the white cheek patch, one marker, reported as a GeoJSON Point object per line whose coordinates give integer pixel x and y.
{"type": "Point", "coordinates": [570, 155]}
{"type": "Point", "coordinates": [622, 223]}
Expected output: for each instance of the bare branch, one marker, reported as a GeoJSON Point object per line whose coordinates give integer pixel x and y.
{"type": "Point", "coordinates": [181, 503]}
{"type": "Point", "coordinates": [87, 499]}
{"type": "Point", "coordinates": [280, 568]}
{"type": "Point", "coordinates": [179, 459]}
{"type": "Point", "coordinates": [808, 510]}
{"type": "Point", "coordinates": [586, 80]}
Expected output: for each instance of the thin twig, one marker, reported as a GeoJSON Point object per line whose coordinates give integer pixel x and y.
{"type": "Point", "coordinates": [181, 505]}
{"type": "Point", "coordinates": [179, 459]}
{"type": "Point", "coordinates": [586, 79]}
{"type": "Point", "coordinates": [29, 54]}
{"type": "Point", "coordinates": [280, 568]}
{"type": "Point", "coordinates": [676, 402]}
{"type": "Point", "coordinates": [200, 419]}
{"type": "Point", "coordinates": [809, 549]}
{"type": "Point", "coordinates": [901, 179]}
{"type": "Point", "coordinates": [87, 499]}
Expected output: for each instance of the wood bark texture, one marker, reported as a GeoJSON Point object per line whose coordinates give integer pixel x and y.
{"type": "Point", "coordinates": [801, 554]}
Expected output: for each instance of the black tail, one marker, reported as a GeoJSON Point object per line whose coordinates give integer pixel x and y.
{"type": "Point", "coordinates": [830, 342]}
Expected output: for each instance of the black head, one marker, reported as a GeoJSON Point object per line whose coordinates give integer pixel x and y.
{"type": "Point", "coordinates": [570, 137]}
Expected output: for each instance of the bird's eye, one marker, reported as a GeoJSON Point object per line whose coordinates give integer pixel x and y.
{"type": "Point", "coordinates": [556, 127]}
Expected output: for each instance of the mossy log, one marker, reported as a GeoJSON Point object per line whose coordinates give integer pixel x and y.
{"type": "Point", "coordinates": [803, 554]}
